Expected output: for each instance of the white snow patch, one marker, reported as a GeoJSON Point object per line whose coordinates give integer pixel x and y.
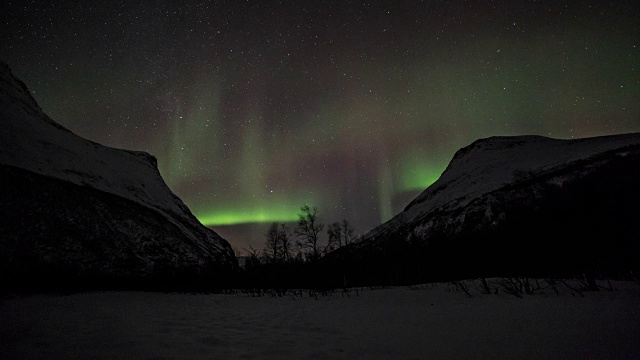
{"type": "Point", "coordinates": [396, 323]}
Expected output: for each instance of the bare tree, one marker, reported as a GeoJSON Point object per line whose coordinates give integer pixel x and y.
{"type": "Point", "coordinates": [286, 245]}
{"type": "Point", "coordinates": [334, 231]}
{"type": "Point", "coordinates": [340, 233]}
{"type": "Point", "coordinates": [308, 230]}
{"type": "Point", "coordinates": [278, 245]}
{"type": "Point", "coordinates": [272, 245]}
{"type": "Point", "coordinates": [254, 258]}
{"type": "Point", "coordinates": [252, 252]}
{"type": "Point", "coordinates": [347, 232]}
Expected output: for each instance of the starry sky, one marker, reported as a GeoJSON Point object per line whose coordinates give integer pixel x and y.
{"type": "Point", "coordinates": [254, 108]}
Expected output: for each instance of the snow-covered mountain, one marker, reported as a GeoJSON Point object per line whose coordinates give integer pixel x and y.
{"type": "Point", "coordinates": [73, 206]}
{"type": "Point", "coordinates": [521, 204]}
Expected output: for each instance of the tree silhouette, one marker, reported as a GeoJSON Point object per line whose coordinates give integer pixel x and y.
{"type": "Point", "coordinates": [340, 233]}
{"type": "Point", "coordinates": [334, 231]}
{"type": "Point", "coordinates": [253, 260]}
{"type": "Point", "coordinates": [347, 232]}
{"type": "Point", "coordinates": [286, 245]}
{"type": "Point", "coordinates": [307, 231]}
{"type": "Point", "coordinates": [278, 245]}
{"type": "Point", "coordinates": [272, 245]}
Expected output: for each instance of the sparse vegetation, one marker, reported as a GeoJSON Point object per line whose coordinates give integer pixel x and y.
{"type": "Point", "coordinates": [519, 286]}
{"type": "Point", "coordinates": [308, 232]}
{"type": "Point", "coordinates": [302, 259]}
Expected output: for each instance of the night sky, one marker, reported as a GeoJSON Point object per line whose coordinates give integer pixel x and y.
{"type": "Point", "coordinates": [254, 108]}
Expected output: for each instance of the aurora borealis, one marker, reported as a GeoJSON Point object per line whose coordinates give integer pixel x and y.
{"type": "Point", "coordinates": [254, 108]}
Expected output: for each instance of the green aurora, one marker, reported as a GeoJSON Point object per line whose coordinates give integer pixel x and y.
{"type": "Point", "coordinates": [234, 217]}
{"type": "Point", "coordinates": [355, 113]}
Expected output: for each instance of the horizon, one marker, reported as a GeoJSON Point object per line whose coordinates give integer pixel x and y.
{"type": "Point", "coordinates": [255, 109]}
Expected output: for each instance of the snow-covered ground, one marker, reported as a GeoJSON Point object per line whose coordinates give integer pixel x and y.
{"type": "Point", "coordinates": [395, 323]}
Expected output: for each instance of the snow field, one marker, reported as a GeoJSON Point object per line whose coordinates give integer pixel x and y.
{"type": "Point", "coordinates": [427, 322]}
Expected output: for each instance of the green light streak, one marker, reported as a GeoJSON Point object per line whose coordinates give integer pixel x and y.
{"type": "Point", "coordinates": [266, 208]}
{"type": "Point", "coordinates": [385, 192]}
{"type": "Point", "coordinates": [220, 217]}
{"type": "Point", "coordinates": [418, 175]}
{"type": "Point", "coordinates": [420, 178]}
{"type": "Point", "coordinates": [193, 142]}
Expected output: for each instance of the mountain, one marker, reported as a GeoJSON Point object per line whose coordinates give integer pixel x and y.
{"type": "Point", "coordinates": [516, 205]}
{"type": "Point", "coordinates": [77, 213]}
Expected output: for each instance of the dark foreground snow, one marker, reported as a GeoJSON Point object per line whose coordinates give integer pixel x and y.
{"type": "Point", "coordinates": [431, 322]}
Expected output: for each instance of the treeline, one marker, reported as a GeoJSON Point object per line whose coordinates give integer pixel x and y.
{"type": "Point", "coordinates": [302, 242]}
{"type": "Point", "coordinates": [292, 254]}
{"type": "Point", "coordinates": [567, 236]}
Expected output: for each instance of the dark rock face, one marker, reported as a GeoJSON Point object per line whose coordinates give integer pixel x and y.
{"type": "Point", "coordinates": [76, 213]}
{"type": "Point", "coordinates": [517, 206]}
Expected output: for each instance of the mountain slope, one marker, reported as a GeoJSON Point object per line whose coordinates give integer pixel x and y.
{"type": "Point", "coordinates": [525, 204]}
{"type": "Point", "coordinates": [76, 207]}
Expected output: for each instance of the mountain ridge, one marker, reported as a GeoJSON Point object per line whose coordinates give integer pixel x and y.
{"type": "Point", "coordinates": [502, 201]}
{"type": "Point", "coordinates": [39, 152]}
{"type": "Point", "coordinates": [490, 144]}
